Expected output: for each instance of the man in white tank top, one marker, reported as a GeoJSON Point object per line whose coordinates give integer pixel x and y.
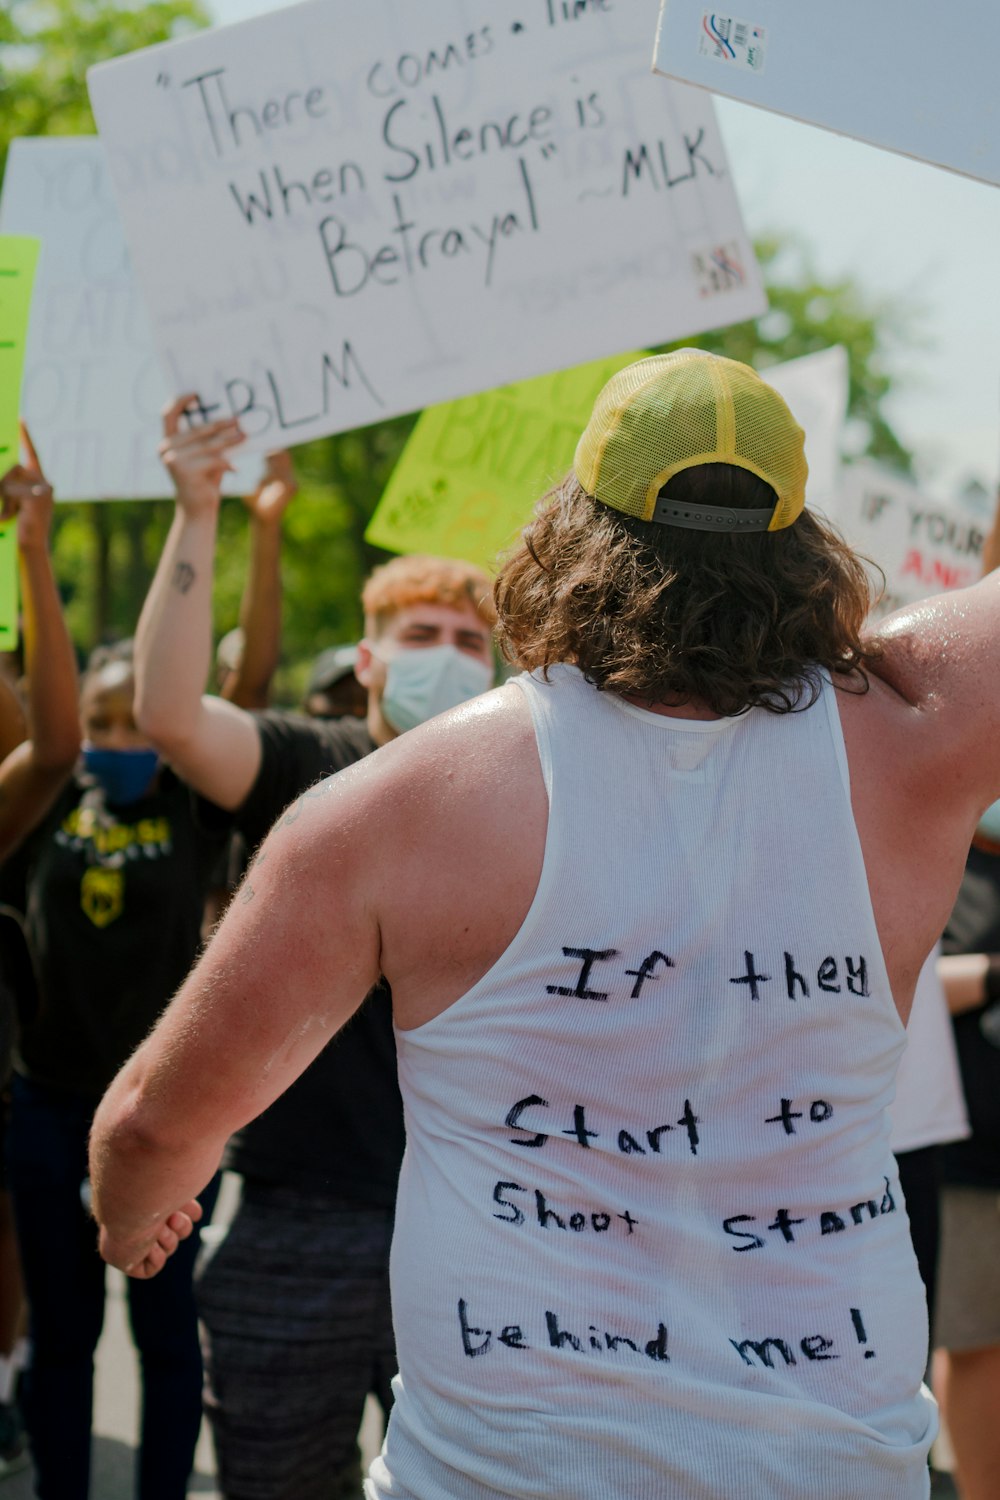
{"type": "Point", "coordinates": [652, 917]}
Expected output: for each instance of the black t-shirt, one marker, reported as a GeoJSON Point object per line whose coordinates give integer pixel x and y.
{"type": "Point", "coordinates": [17, 979]}
{"type": "Point", "coordinates": [339, 1128]}
{"type": "Point", "coordinates": [114, 900]}
{"type": "Point", "coordinates": [974, 927]}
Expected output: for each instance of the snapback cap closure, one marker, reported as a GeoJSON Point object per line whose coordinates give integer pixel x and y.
{"type": "Point", "coordinates": [710, 517]}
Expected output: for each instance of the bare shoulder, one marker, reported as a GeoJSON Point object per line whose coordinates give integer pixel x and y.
{"type": "Point", "coordinates": [939, 690]}
{"type": "Point", "coordinates": [933, 654]}
{"type": "Point", "coordinates": [455, 843]}
{"type": "Point", "coordinates": [443, 795]}
{"type": "Point", "coordinates": [921, 748]}
{"type": "Point", "coordinates": [484, 745]}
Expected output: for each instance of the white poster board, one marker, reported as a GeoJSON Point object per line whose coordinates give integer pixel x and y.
{"type": "Point", "coordinates": [341, 212]}
{"type": "Point", "coordinates": [923, 546]}
{"type": "Point", "coordinates": [93, 385]}
{"type": "Point", "coordinates": [816, 389]}
{"type": "Point", "coordinates": [914, 76]}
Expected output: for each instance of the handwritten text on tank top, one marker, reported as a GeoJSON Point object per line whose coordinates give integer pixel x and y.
{"type": "Point", "coordinates": [537, 1124]}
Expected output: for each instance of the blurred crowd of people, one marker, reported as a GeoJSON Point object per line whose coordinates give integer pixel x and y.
{"type": "Point", "coordinates": [131, 803]}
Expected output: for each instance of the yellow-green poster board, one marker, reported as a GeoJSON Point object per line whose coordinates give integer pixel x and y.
{"type": "Point", "coordinates": [18, 257]}
{"type": "Point", "coordinates": [469, 476]}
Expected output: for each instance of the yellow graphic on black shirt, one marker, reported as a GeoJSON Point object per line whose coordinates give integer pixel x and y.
{"type": "Point", "coordinates": [102, 895]}
{"type": "Point", "coordinates": [82, 827]}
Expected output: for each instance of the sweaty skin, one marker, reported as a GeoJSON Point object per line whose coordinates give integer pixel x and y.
{"type": "Point", "coordinates": [420, 863]}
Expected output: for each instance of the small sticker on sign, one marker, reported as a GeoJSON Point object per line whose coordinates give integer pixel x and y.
{"type": "Point", "coordinates": [718, 269]}
{"type": "Point", "coordinates": [739, 43]}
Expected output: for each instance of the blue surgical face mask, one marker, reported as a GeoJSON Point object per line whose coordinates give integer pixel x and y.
{"type": "Point", "coordinates": [989, 824]}
{"type": "Point", "coordinates": [125, 775]}
{"type": "Point", "coordinates": [426, 680]}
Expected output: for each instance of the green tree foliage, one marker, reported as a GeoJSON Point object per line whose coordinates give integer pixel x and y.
{"type": "Point", "coordinates": [46, 47]}
{"type": "Point", "coordinates": [105, 554]}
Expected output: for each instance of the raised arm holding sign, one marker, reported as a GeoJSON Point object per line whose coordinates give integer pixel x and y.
{"type": "Point", "coordinates": [31, 775]}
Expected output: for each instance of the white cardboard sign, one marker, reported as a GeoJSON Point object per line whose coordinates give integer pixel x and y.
{"type": "Point", "coordinates": [341, 212]}
{"type": "Point", "coordinates": [816, 389]}
{"type": "Point", "coordinates": [922, 546]}
{"type": "Point", "coordinates": [913, 76]}
{"type": "Point", "coordinates": [93, 386]}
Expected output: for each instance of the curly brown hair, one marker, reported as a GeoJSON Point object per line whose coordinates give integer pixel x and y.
{"type": "Point", "coordinates": [672, 616]}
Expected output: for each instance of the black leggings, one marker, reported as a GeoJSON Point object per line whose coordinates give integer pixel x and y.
{"type": "Point", "coordinates": [64, 1277]}
{"type": "Point", "coordinates": [920, 1176]}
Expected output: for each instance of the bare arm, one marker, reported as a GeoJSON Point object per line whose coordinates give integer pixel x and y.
{"type": "Point", "coordinates": [32, 775]}
{"type": "Point", "coordinates": [212, 745]}
{"type": "Point", "coordinates": [378, 870]}
{"type": "Point", "coordinates": [942, 657]}
{"type": "Point", "coordinates": [991, 547]}
{"type": "Point", "coordinates": [296, 953]}
{"type": "Point", "coordinates": [964, 977]}
{"type": "Point", "coordinates": [13, 724]}
{"type": "Point", "coordinates": [260, 610]}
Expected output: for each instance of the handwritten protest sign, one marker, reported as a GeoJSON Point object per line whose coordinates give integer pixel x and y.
{"type": "Point", "coordinates": [93, 386]}
{"type": "Point", "coordinates": [472, 470]}
{"type": "Point", "coordinates": [917, 79]}
{"type": "Point", "coordinates": [18, 256]}
{"type": "Point", "coordinates": [467, 479]}
{"type": "Point", "coordinates": [338, 213]}
{"type": "Point", "coordinates": [922, 546]}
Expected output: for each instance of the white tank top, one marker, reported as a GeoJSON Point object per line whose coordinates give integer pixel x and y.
{"type": "Point", "coordinates": [650, 1240]}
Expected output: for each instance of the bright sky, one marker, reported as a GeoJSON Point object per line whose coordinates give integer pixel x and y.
{"type": "Point", "coordinates": [924, 237]}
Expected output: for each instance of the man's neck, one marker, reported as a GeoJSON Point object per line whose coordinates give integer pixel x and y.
{"type": "Point", "coordinates": [693, 710]}
{"type": "Point", "coordinates": [379, 728]}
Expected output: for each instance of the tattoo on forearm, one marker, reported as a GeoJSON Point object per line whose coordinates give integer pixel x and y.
{"type": "Point", "coordinates": [184, 577]}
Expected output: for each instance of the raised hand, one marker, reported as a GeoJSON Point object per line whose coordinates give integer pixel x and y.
{"type": "Point", "coordinates": [26, 493]}
{"type": "Point", "coordinates": [196, 458]}
{"type": "Point", "coordinates": [275, 489]}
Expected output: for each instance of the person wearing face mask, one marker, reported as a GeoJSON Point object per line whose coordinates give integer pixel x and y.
{"type": "Point", "coordinates": [114, 880]}
{"type": "Point", "coordinates": [294, 1302]}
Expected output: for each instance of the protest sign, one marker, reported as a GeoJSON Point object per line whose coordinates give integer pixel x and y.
{"type": "Point", "coordinates": [472, 470]}
{"type": "Point", "coordinates": [922, 546]}
{"type": "Point", "coordinates": [340, 212]}
{"type": "Point", "coordinates": [919, 79]}
{"type": "Point", "coordinates": [816, 389]}
{"type": "Point", "coordinates": [93, 387]}
{"type": "Point", "coordinates": [18, 256]}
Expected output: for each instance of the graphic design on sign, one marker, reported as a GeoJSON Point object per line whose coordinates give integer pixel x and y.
{"type": "Point", "coordinates": [739, 43]}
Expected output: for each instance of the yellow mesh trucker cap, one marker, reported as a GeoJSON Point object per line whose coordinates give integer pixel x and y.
{"type": "Point", "coordinates": [673, 411]}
